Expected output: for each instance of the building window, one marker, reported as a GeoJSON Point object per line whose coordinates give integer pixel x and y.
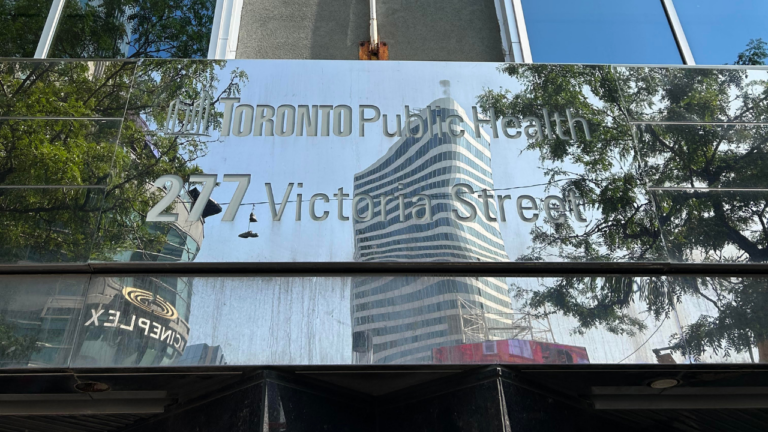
{"type": "Point", "coordinates": [134, 29]}
{"type": "Point", "coordinates": [718, 30]}
{"type": "Point", "coordinates": [600, 31]}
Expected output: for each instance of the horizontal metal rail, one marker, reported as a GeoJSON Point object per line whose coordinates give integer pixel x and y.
{"type": "Point", "coordinates": [492, 269]}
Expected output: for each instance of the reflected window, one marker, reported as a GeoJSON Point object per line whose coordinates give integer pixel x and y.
{"type": "Point", "coordinates": [718, 30]}
{"type": "Point", "coordinates": [134, 29]}
{"type": "Point", "coordinates": [21, 24]}
{"type": "Point", "coordinates": [599, 31]}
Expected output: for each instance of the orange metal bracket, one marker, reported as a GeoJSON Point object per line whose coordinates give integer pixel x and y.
{"type": "Point", "coordinates": [366, 52]}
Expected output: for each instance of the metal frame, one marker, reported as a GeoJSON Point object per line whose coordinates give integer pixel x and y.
{"type": "Point", "coordinates": [225, 30]}
{"type": "Point", "coordinates": [488, 269]}
{"type": "Point", "coordinates": [678, 33]}
{"type": "Point", "coordinates": [522, 32]}
{"type": "Point", "coordinates": [514, 35]}
{"type": "Point", "coordinates": [46, 38]}
{"type": "Point", "coordinates": [506, 40]}
{"type": "Point", "coordinates": [475, 329]}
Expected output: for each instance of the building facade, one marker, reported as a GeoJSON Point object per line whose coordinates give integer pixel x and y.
{"type": "Point", "coordinates": [376, 215]}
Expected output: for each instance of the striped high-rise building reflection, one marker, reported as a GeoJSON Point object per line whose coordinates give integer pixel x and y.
{"type": "Point", "coordinates": [400, 320]}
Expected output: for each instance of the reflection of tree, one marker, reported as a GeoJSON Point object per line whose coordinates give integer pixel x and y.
{"type": "Point", "coordinates": [14, 348]}
{"type": "Point", "coordinates": [21, 22]}
{"type": "Point", "coordinates": [134, 28]}
{"type": "Point", "coordinates": [59, 224]}
{"type": "Point", "coordinates": [611, 172]}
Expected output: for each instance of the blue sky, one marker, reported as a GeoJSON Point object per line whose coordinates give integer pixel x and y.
{"type": "Point", "coordinates": [718, 30]}
{"type": "Point", "coordinates": [637, 31]}
{"type": "Point", "coordinates": [599, 31]}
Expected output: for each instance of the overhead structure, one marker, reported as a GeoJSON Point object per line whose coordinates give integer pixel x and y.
{"type": "Point", "coordinates": [475, 328]}
{"type": "Point", "coordinates": [373, 49]}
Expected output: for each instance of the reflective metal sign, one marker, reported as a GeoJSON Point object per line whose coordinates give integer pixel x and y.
{"type": "Point", "coordinates": [317, 161]}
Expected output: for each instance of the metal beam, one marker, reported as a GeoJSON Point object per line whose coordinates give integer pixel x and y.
{"type": "Point", "coordinates": [514, 36]}
{"type": "Point", "coordinates": [507, 269]}
{"type": "Point", "coordinates": [46, 38]}
{"type": "Point", "coordinates": [677, 31]}
{"type": "Point", "coordinates": [621, 402]}
{"type": "Point", "coordinates": [76, 407]}
{"type": "Point", "coordinates": [522, 32]}
{"type": "Point", "coordinates": [225, 30]}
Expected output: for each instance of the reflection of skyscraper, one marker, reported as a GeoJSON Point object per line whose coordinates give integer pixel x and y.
{"type": "Point", "coordinates": [400, 320]}
{"type": "Point", "coordinates": [202, 354]}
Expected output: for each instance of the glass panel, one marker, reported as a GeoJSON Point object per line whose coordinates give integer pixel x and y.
{"type": "Point", "coordinates": [718, 31]}
{"type": "Point", "coordinates": [291, 407]}
{"type": "Point", "coordinates": [714, 225]}
{"type": "Point", "coordinates": [558, 174]}
{"type": "Point", "coordinates": [697, 95]}
{"type": "Point", "coordinates": [21, 24]}
{"type": "Point", "coordinates": [151, 321]}
{"type": "Point", "coordinates": [531, 410]}
{"type": "Point", "coordinates": [476, 404]}
{"type": "Point", "coordinates": [134, 29]}
{"type": "Point", "coordinates": [143, 321]}
{"type": "Point", "coordinates": [64, 89]}
{"type": "Point", "coordinates": [238, 409]}
{"type": "Point", "coordinates": [54, 175]}
{"type": "Point", "coordinates": [723, 319]}
{"type": "Point", "coordinates": [48, 225]}
{"type": "Point", "coordinates": [599, 31]}
{"type": "Point", "coordinates": [39, 318]}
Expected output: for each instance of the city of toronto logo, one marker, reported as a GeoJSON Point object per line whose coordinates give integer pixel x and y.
{"type": "Point", "coordinates": [187, 118]}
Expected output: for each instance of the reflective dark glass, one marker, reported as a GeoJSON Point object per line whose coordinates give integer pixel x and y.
{"type": "Point", "coordinates": [599, 31]}
{"type": "Point", "coordinates": [470, 407]}
{"type": "Point", "coordinates": [39, 317]}
{"type": "Point", "coordinates": [48, 225]}
{"type": "Point", "coordinates": [134, 29]}
{"type": "Point", "coordinates": [157, 320]}
{"type": "Point", "coordinates": [21, 24]}
{"type": "Point", "coordinates": [717, 30]}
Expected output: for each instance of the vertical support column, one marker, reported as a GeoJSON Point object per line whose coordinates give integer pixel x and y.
{"type": "Point", "coordinates": [50, 29]}
{"type": "Point", "coordinates": [514, 35]}
{"type": "Point", "coordinates": [374, 25]}
{"type": "Point", "coordinates": [677, 31]}
{"type": "Point", "coordinates": [225, 30]}
{"type": "Point", "coordinates": [234, 29]}
{"type": "Point", "coordinates": [504, 29]}
{"type": "Point", "coordinates": [522, 32]}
